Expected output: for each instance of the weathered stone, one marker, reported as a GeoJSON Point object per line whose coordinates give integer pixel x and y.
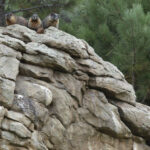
{"type": "Point", "coordinates": [67, 42]}
{"type": "Point", "coordinates": [34, 91]}
{"type": "Point", "coordinates": [2, 113]}
{"type": "Point", "coordinates": [105, 142]}
{"type": "Point", "coordinates": [9, 52]}
{"type": "Point", "coordinates": [73, 86]}
{"type": "Point", "coordinates": [12, 42]}
{"type": "Point", "coordinates": [17, 31]}
{"type": "Point", "coordinates": [48, 57]}
{"type": "Point", "coordinates": [100, 69]}
{"type": "Point", "coordinates": [62, 106]}
{"type": "Point", "coordinates": [12, 138]}
{"type": "Point", "coordinates": [38, 141]}
{"type": "Point", "coordinates": [90, 50]}
{"type": "Point", "coordinates": [16, 128]}
{"type": "Point", "coordinates": [78, 117]}
{"type": "Point", "coordinates": [32, 109]}
{"type": "Point", "coordinates": [54, 130]}
{"type": "Point", "coordinates": [81, 76]}
{"type": "Point", "coordinates": [18, 117]}
{"type": "Point", "coordinates": [79, 133]}
{"type": "Point", "coordinates": [1, 29]}
{"type": "Point", "coordinates": [5, 145]}
{"type": "Point", "coordinates": [36, 72]}
{"type": "Point", "coordinates": [53, 38]}
{"type": "Point", "coordinates": [113, 71]}
{"type": "Point", "coordinates": [103, 115]}
{"type": "Point", "coordinates": [9, 67]}
{"type": "Point", "coordinates": [7, 88]}
{"type": "Point", "coordinates": [137, 118]}
{"type": "Point", "coordinates": [140, 146]}
{"type": "Point", "coordinates": [115, 88]}
{"type": "Point", "coordinates": [24, 105]}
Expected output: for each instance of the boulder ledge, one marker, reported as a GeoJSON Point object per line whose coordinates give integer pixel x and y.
{"type": "Point", "coordinates": [56, 93]}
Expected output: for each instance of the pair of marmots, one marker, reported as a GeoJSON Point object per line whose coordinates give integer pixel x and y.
{"type": "Point", "coordinates": [34, 22]}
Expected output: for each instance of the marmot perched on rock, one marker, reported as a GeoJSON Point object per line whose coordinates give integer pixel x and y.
{"type": "Point", "coordinates": [35, 23]}
{"type": "Point", "coordinates": [11, 19]}
{"type": "Point", "coordinates": [51, 20]}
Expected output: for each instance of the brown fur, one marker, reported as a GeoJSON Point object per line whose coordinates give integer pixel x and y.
{"type": "Point", "coordinates": [36, 24]}
{"type": "Point", "coordinates": [51, 21]}
{"type": "Point", "coordinates": [13, 19]}
{"type": "Point", "coordinates": [40, 30]}
{"type": "Point", "coordinates": [55, 23]}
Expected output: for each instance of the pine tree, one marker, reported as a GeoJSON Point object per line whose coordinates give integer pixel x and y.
{"type": "Point", "coordinates": [42, 7]}
{"type": "Point", "coordinates": [2, 12]}
{"type": "Point", "coordinates": [130, 54]}
{"type": "Point", "coordinates": [119, 32]}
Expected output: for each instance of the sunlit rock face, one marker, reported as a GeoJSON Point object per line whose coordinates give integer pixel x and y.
{"type": "Point", "coordinates": [57, 94]}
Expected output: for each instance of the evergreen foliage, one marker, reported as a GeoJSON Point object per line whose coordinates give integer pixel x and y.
{"type": "Point", "coordinates": [48, 6]}
{"type": "Point", "coordinates": [120, 32]}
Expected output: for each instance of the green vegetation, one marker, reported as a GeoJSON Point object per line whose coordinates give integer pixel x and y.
{"type": "Point", "coordinates": [120, 33]}
{"type": "Point", "coordinates": [119, 30]}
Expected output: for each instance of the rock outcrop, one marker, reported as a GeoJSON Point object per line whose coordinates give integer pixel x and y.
{"type": "Point", "coordinates": [57, 94]}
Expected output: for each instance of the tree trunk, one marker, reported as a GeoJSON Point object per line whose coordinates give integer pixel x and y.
{"type": "Point", "coordinates": [133, 67]}
{"type": "Point", "coordinates": [2, 12]}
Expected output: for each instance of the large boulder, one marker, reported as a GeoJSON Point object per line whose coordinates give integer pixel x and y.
{"type": "Point", "coordinates": [121, 90]}
{"type": "Point", "coordinates": [137, 118]}
{"type": "Point", "coordinates": [57, 93]}
{"type": "Point", "coordinates": [101, 114]}
{"type": "Point", "coordinates": [7, 88]}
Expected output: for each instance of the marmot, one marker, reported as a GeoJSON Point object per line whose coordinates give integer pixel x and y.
{"type": "Point", "coordinates": [11, 19]}
{"type": "Point", "coordinates": [51, 20]}
{"type": "Point", "coordinates": [35, 23]}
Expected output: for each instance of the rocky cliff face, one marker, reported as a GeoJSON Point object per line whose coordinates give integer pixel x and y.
{"type": "Point", "coordinates": [57, 94]}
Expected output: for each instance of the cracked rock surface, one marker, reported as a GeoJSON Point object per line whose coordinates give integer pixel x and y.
{"type": "Point", "coordinates": [56, 93]}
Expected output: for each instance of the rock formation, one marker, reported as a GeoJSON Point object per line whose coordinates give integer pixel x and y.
{"type": "Point", "coordinates": [57, 94]}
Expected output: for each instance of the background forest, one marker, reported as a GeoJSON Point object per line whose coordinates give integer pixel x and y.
{"type": "Point", "coordinates": [119, 31]}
